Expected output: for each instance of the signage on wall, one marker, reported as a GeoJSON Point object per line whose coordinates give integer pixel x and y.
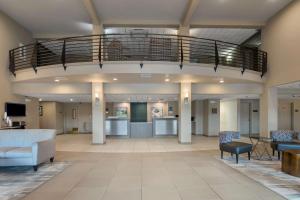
{"type": "Point", "coordinates": [214, 110]}
{"type": "Point", "coordinates": [170, 110]}
{"type": "Point", "coordinates": [41, 111]}
{"type": "Point", "coordinates": [157, 111]}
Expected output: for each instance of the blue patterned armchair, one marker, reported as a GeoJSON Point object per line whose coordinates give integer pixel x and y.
{"type": "Point", "coordinates": [284, 140]}
{"type": "Point", "coordinates": [227, 144]}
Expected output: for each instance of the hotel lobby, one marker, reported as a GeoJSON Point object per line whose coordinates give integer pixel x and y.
{"type": "Point", "coordinates": [142, 100]}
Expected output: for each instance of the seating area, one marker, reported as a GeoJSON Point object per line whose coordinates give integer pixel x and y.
{"type": "Point", "coordinates": [227, 144]}
{"type": "Point", "coordinates": [26, 147]}
{"type": "Point", "coordinates": [284, 140]}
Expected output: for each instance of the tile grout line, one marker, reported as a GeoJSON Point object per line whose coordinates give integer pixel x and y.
{"type": "Point", "coordinates": [209, 185]}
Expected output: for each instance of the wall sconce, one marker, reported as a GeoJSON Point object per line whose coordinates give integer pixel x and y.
{"type": "Point", "coordinates": [186, 98]}
{"type": "Point", "coordinates": [97, 99]}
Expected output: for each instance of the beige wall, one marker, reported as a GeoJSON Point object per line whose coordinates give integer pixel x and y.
{"type": "Point", "coordinates": [53, 116]}
{"type": "Point", "coordinates": [254, 115]}
{"type": "Point", "coordinates": [229, 115]}
{"type": "Point", "coordinates": [83, 120]}
{"type": "Point", "coordinates": [48, 119]}
{"type": "Point", "coordinates": [32, 114]}
{"type": "Point", "coordinates": [280, 38]}
{"type": "Point", "coordinates": [11, 35]}
{"type": "Point", "coordinates": [211, 121]}
{"type": "Point", "coordinates": [285, 114]}
{"type": "Point", "coordinates": [289, 114]}
{"type": "Point", "coordinates": [59, 116]}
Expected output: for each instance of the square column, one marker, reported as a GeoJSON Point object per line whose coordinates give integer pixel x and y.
{"type": "Point", "coordinates": [268, 111]}
{"type": "Point", "coordinates": [185, 31]}
{"type": "Point", "coordinates": [185, 108]}
{"type": "Point", "coordinates": [98, 113]}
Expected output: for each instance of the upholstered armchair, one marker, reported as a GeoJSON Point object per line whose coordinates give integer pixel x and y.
{"type": "Point", "coordinates": [227, 144]}
{"type": "Point", "coordinates": [284, 140]}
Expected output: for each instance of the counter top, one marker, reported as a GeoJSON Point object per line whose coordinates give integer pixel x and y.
{"type": "Point", "coordinates": [10, 127]}
{"type": "Point", "coordinates": [111, 119]}
{"type": "Point", "coordinates": [165, 118]}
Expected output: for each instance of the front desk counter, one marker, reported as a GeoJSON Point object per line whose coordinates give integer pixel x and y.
{"type": "Point", "coordinates": [164, 126]}
{"type": "Point", "coordinates": [117, 127]}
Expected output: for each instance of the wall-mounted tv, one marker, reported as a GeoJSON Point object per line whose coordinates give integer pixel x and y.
{"type": "Point", "coordinates": [15, 110]}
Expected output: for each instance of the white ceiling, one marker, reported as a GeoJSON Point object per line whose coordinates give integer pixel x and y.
{"type": "Point", "coordinates": [140, 11]}
{"type": "Point", "coordinates": [289, 91]}
{"type": "Point", "coordinates": [256, 11]}
{"type": "Point", "coordinates": [58, 17]}
{"type": "Point", "coordinates": [49, 17]}
{"type": "Point", "coordinates": [294, 85]}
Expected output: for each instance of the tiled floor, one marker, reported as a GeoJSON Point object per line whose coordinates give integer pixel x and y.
{"type": "Point", "coordinates": [185, 175]}
{"type": "Point", "coordinates": [82, 143]}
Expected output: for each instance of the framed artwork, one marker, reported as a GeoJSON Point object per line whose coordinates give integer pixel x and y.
{"type": "Point", "coordinates": [41, 111]}
{"type": "Point", "coordinates": [214, 110]}
{"type": "Point", "coordinates": [157, 111]}
{"type": "Point", "coordinates": [121, 112]}
{"type": "Point", "coordinates": [170, 110]}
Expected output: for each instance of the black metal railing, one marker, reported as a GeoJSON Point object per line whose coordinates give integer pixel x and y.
{"type": "Point", "coordinates": [137, 47]}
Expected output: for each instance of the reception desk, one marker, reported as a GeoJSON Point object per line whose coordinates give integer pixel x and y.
{"type": "Point", "coordinates": [141, 129]}
{"type": "Point", "coordinates": [164, 126]}
{"type": "Point", "coordinates": [123, 127]}
{"type": "Point", "coordinates": [117, 127]}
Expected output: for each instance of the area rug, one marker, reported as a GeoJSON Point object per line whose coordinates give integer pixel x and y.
{"type": "Point", "coordinates": [269, 174]}
{"type": "Point", "coordinates": [17, 182]}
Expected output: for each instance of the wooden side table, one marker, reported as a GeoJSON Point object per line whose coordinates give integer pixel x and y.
{"type": "Point", "coordinates": [290, 162]}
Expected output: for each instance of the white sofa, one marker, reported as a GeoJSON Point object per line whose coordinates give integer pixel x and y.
{"type": "Point", "coordinates": [26, 147]}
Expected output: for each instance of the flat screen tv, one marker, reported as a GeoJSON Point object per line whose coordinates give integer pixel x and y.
{"type": "Point", "coordinates": [15, 110]}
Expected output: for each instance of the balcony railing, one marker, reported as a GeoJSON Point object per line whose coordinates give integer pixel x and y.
{"type": "Point", "coordinates": [136, 47]}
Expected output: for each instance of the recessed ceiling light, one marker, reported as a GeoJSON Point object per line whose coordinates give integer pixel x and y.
{"type": "Point", "coordinates": [71, 99]}
{"type": "Point", "coordinates": [167, 80]}
{"type": "Point", "coordinates": [221, 81]}
{"type": "Point", "coordinates": [56, 80]}
{"type": "Point", "coordinates": [115, 79]}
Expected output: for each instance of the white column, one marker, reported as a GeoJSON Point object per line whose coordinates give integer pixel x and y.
{"type": "Point", "coordinates": [268, 111]}
{"type": "Point", "coordinates": [185, 31]}
{"type": "Point", "coordinates": [98, 110]}
{"type": "Point", "coordinates": [97, 29]}
{"type": "Point", "coordinates": [185, 107]}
